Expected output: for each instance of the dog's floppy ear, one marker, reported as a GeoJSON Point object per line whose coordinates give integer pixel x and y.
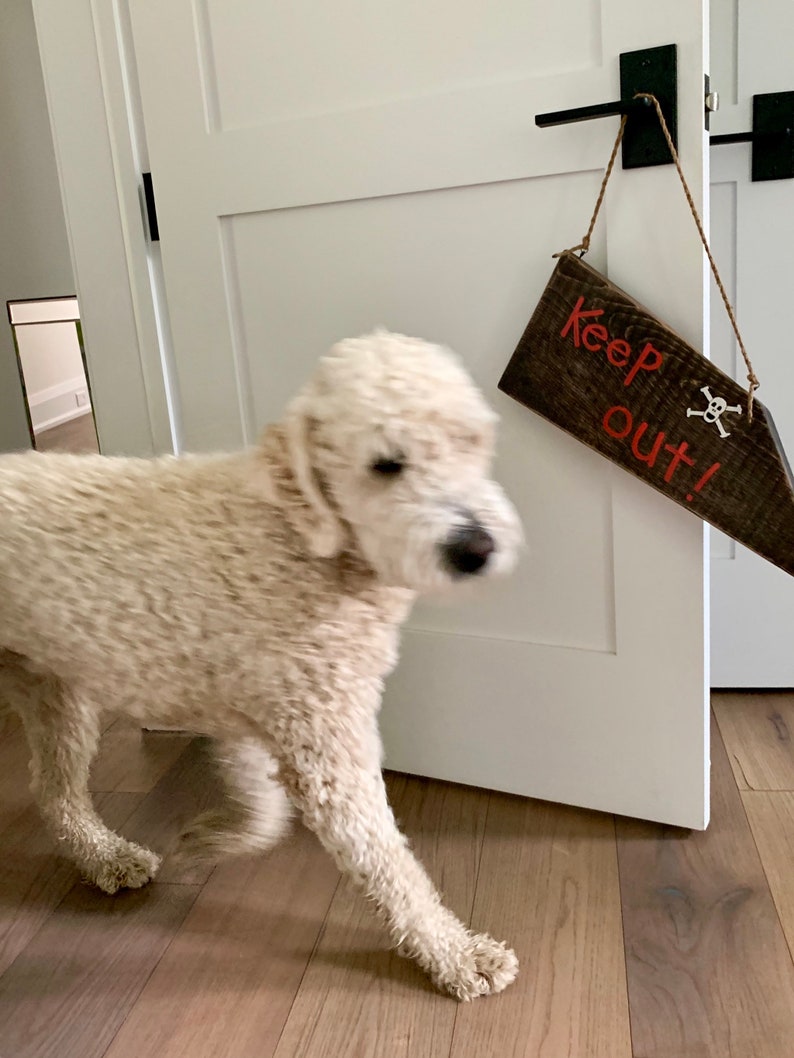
{"type": "Point", "coordinates": [319, 523]}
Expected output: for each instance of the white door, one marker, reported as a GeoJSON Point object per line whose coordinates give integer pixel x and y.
{"type": "Point", "coordinates": [752, 224]}
{"type": "Point", "coordinates": [321, 169]}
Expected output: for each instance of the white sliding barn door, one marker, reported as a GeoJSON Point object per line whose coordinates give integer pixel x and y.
{"type": "Point", "coordinates": [752, 52]}
{"type": "Point", "coordinates": [322, 169]}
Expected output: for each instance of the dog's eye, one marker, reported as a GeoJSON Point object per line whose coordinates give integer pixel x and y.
{"type": "Point", "coordinates": [388, 467]}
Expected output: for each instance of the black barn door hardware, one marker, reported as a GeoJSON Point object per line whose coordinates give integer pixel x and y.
{"type": "Point", "coordinates": [151, 208]}
{"type": "Point", "coordinates": [772, 136]}
{"type": "Point", "coordinates": [648, 70]}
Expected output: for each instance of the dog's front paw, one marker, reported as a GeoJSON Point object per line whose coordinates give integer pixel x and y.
{"type": "Point", "coordinates": [128, 867]}
{"type": "Point", "coordinates": [484, 966]}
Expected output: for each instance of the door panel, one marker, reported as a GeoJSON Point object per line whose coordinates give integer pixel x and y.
{"type": "Point", "coordinates": [397, 51]}
{"type": "Point", "coordinates": [753, 232]}
{"type": "Point", "coordinates": [284, 266]}
{"type": "Point", "coordinates": [317, 177]}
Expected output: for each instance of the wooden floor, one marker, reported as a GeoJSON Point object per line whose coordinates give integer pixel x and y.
{"type": "Point", "coordinates": [77, 435]}
{"type": "Point", "coordinates": [634, 939]}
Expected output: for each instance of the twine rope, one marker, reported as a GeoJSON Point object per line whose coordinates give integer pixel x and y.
{"type": "Point", "coordinates": [584, 245]}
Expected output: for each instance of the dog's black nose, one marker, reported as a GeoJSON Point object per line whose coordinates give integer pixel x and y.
{"type": "Point", "coordinates": [469, 549]}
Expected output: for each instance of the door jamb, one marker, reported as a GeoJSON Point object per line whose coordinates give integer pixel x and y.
{"type": "Point", "coordinates": [92, 100]}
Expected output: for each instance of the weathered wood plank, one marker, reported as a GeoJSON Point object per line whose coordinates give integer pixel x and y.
{"type": "Point", "coordinates": [597, 364]}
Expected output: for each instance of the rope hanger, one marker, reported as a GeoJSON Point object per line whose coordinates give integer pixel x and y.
{"type": "Point", "coordinates": [583, 247]}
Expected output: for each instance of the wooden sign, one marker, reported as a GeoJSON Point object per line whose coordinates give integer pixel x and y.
{"type": "Point", "coordinates": [600, 366]}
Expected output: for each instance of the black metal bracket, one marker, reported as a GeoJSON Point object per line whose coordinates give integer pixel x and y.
{"type": "Point", "coordinates": [151, 208]}
{"type": "Point", "coordinates": [651, 70]}
{"type": "Point", "coordinates": [772, 136]}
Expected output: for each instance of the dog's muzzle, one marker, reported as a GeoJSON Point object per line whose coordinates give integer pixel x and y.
{"type": "Point", "coordinates": [468, 550]}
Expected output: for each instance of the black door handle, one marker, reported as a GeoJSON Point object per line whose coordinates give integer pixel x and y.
{"type": "Point", "coordinates": [772, 136]}
{"type": "Point", "coordinates": [652, 70]}
{"type": "Point", "coordinates": [599, 110]}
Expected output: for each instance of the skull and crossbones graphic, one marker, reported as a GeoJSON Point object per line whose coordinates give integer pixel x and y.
{"type": "Point", "coordinates": [716, 407]}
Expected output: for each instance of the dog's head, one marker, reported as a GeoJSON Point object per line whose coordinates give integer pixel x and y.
{"type": "Point", "coordinates": [390, 447]}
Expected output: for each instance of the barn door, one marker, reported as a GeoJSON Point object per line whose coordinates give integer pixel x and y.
{"type": "Point", "coordinates": [321, 170]}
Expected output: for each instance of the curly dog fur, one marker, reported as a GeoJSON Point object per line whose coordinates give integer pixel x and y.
{"type": "Point", "coordinates": [256, 598]}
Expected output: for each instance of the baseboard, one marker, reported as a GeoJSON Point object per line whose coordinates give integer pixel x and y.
{"type": "Point", "coordinates": [58, 404]}
{"type": "Point", "coordinates": [59, 420]}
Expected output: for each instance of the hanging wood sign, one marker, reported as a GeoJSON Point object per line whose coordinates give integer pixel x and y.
{"type": "Point", "coordinates": [600, 366]}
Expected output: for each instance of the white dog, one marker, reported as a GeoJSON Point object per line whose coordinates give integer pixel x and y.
{"type": "Point", "coordinates": [257, 598]}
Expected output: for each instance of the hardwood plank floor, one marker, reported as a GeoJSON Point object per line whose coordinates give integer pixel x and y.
{"type": "Point", "coordinates": [771, 817]}
{"type": "Point", "coordinates": [78, 435]}
{"type": "Point", "coordinates": [758, 730]}
{"type": "Point", "coordinates": [15, 795]}
{"type": "Point", "coordinates": [228, 980]}
{"type": "Point", "coordinates": [188, 787]}
{"type": "Point", "coordinates": [69, 991]}
{"type": "Point", "coordinates": [134, 760]}
{"type": "Point", "coordinates": [629, 934]}
{"type": "Point", "coordinates": [359, 998]}
{"type": "Point", "coordinates": [34, 879]}
{"type": "Point", "coordinates": [709, 971]}
{"type": "Point", "coordinates": [549, 882]}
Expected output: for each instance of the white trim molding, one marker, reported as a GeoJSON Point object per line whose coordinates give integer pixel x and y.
{"type": "Point", "coordinates": [59, 403]}
{"type": "Point", "coordinates": [87, 92]}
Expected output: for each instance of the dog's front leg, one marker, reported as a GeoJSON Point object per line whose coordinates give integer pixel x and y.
{"type": "Point", "coordinates": [333, 775]}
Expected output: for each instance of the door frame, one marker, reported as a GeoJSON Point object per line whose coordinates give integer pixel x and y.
{"type": "Point", "coordinates": [100, 153]}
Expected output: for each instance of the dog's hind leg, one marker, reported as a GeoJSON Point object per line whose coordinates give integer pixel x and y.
{"type": "Point", "coordinates": [63, 733]}
{"type": "Point", "coordinates": [256, 813]}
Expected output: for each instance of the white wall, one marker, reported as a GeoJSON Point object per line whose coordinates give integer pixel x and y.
{"type": "Point", "coordinates": [50, 355]}
{"type": "Point", "coordinates": [52, 364]}
{"type": "Point", "coordinates": [34, 253]}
